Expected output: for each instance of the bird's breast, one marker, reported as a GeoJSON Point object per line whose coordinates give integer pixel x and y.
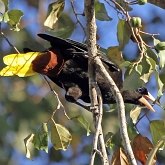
{"type": "Point", "coordinates": [49, 63]}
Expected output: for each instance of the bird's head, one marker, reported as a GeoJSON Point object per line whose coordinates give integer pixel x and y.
{"type": "Point", "coordinates": [141, 97]}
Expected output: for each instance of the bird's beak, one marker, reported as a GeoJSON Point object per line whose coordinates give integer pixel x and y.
{"type": "Point", "coordinates": [144, 100]}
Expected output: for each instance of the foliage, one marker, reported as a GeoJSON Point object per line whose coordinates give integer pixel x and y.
{"type": "Point", "coordinates": [18, 94]}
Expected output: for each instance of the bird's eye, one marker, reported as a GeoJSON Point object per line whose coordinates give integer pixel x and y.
{"type": "Point", "coordinates": [142, 90]}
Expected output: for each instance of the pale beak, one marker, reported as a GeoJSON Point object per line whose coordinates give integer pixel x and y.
{"type": "Point", "coordinates": [144, 100]}
{"type": "Point", "coordinates": [151, 98]}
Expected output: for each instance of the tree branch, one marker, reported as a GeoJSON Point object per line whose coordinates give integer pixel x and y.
{"type": "Point", "coordinates": [95, 93]}
{"type": "Point", "coordinates": [121, 110]}
{"type": "Point", "coordinates": [93, 59]}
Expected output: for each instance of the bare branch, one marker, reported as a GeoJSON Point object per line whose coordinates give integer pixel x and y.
{"type": "Point", "coordinates": [95, 93]}
{"type": "Point", "coordinates": [121, 110]}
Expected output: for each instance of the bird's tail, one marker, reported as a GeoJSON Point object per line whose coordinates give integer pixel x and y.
{"type": "Point", "coordinates": [19, 64]}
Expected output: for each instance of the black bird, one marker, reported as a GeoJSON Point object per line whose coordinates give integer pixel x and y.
{"type": "Point", "coordinates": [73, 76]}
{"type": "Point", "coordinates": [66, 64]}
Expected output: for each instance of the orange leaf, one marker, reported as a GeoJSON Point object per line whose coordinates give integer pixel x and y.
{"type": "Point", "coordinates": [141, 148]}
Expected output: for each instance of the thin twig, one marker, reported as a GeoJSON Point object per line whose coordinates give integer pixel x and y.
{"type": "Point", "coordinates": [77, 18]}
{"type": "Point", "coordinates": [59, 105]}
{"type": "Point", "coordinates": [7, 40]}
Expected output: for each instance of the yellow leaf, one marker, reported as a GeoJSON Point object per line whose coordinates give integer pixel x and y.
{"type": "Point", "coordinates": [19, 64]}
{"type": "Point", "coordinates": [20, 59]}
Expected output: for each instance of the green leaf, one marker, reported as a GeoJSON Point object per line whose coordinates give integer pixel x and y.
{"type": "Point", "coordinates": [54, 11]}
{"type": "Point", "coordinates": [64, 27]}
{"type": "Point", "coordinates": [161, 55]}
{"type": "Point", "coordinates": [6, 3]}
{"type": "Point", "coordinates": [14, 19]}
{"type": "Point", "coordinates": [139, 69]}
{"type": "Point", "coordinates": [60, 136]}
{"type": "Point", "coordinates": [113, 140]}
{"type": "Point", "coordinates": [145, 77]}
{"type": "Point", "coordinates": [40, 139]}
{"type": "Point", "coordinates": [149, 66]}
{"type": "Point", "coordinates": [142, 2]}
{"type": "Point", "coordinates": [134, 114]}
{"type": "Point", "coordinates": [152, 54]}
{"type": "Point", "coordinates": [157, 128]}
{"type": "Point", "coordinates": [1, 18]}
{"type": "Point", "coordinates": [160, 84]}
{"type": "Point", "coordinates": [156, 41]}
{"type": "Point", "coordinates": [83, 122]}
{"type": "Point", "coordinates": [101, 13]}
{"type": "Point", "coordinates": [123, 33]}
{"type": "Point", "coordinates": [6, 17]}
{"type": "Point", "coordinates": [108, 140]}
{"type": "Point", "coordinates": [160, 46]}
{"type": "Point", "coordinates": [125, 64]}
{"type": "Point", "coordinates": [115, 55]}
{"type": "Point", "coordinates": [133, 76]}
{"type": "Point", "coordinates": [152, 63]}
{"type": "Point", "coordinates": [27, 142]}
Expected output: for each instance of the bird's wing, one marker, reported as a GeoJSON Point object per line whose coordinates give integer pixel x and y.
{"type": "Point", "coordinates": [82, 48]}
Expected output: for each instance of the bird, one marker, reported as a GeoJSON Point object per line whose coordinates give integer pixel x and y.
{"type": "Point", "coordinates": [65, 63]}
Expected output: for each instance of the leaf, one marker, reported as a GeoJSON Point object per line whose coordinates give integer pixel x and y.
{"type": "Point", "coordinates": [60, 136]}
{"type": "Point", "coordinates": [157, 128]}
{"type": "Point", "coordinates": [134, 114]}
{"type": "Point", "coordinates": [108, 140]}
{"type": "Point", "coordinates": [141, 148]}
{"type": "Point", "coordinates": [145, 77]}
{"type": "Point", "coordinates": [40, 139]}
{"type": "Point", "coordinates": [119, 158]}
{"type": "Point", "coordinates": [149, 66]}
{"type": "Point", "coordinates": [123, 33]}
{"type": "Point", "coordinates": [160, 84]}
{"type": "Point", "coordinates": [133, 76]}
{"type": "Point", "coordinates": [27, 141]}
{"type": "Point", "coordinates": [101, 13]}
{"type": "Point", "coordinates": [115, 55]}
{"type": "Point", "coordinates": [161, 55]}
{"type": "Point", "coordinates": [14, 19]}
{"type": "Point", "coordinates": [156, 41]}
{"type": "Point", "coordinates": [83, 122]}
{"type": "Point", "coordinates": [152, 63]}
{"type": "Point", "coordinates": [113, 140]}
{"type": "Point", "coordinates": [152, 55]}
{"type": "Point", "coordinates": [19, 64]}
{"type": "Point", "coordinates": [2, 10]}
{"type": "Point", "coordinates": [54, 11]}
{"type": "Point", "coordinates": [139, 69]}
{"type": "Point", "coordinates": [64, 27]}
{"type": "Point", "coordinates": [6, 3]}
{"type": "Point", "coordinates": [6, 17]}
